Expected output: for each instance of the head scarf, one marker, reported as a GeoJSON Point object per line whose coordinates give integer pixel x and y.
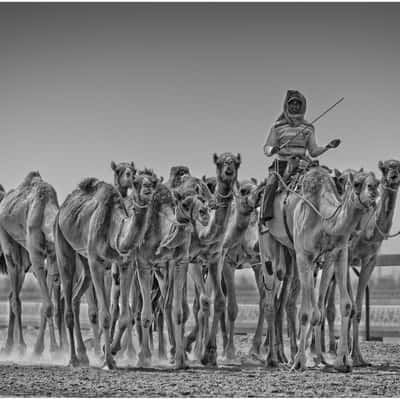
{"type": "Point", "coordinates": [286, 116]}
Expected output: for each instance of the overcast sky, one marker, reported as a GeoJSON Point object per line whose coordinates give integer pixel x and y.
{"type": "Point", "coordinates": [168, 84]}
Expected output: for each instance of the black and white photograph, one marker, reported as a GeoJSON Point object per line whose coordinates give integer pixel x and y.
{"type": "Point", "coordinates": [199, 199]}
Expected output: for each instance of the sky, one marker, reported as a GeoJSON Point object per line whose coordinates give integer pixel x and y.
{"type": "Point", "coordinates": [170, 84]}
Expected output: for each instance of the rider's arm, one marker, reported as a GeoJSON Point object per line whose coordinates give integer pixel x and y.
{"type": "Point", "coordinates": [312, 147]}
{"type": "Point", "coordinates": [270, 142]}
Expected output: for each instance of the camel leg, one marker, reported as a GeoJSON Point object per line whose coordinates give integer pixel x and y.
{"type": "Point", "coordinates": [162, 283]}
{"type": "Point", "coordinates": [67, 266]}
{"type": "Point", "coordinates": [97, 271]}
{"type": "Point", "coordinates": [195, 271]}
{"type": "Point", "coordinates": [11, 321]}
{"type": "Point", "coordinates": [78, 291]}
{"type": "Point", "coordinates": [215, 276]}
{"type": "Point", "coordinates": [15, 311]}
{"type": "Point", "coordinates": [130, 348]}
{"type": "Point", "coordinates": [125, 318]}
{"type": "Point", "coordinates": [307, 287]}
{"type": "Point", "coordinates": [167, 306]}
{"type": "Point", "coordinates": [288, 260]}
{"type": "Point", "coordinates": [15, 269]}
{"type": "Point", "coordinates": [115, 293]}
{"type": "Point", "coordinates": [59, 311]}
{"type": "Point", "coordinates": [229, 278]}
{"type": "Point", "coordinates": [180, 274]}
{"type": "Point", "coordinates": [270, 251]}
{"type": "Point", "coordinates": [256, 343]}
{"type": "Point", "coordinates": [34, 243]}
{"type": "Point", "coordinates": [204, 309]}
{"type": "Point", "coordinates": [52, 278]}
{"type": "Point", "coordinates": [326, 279]}
{"type": "Point", "coordinates": [291, 310]}
{"type": "Point", "coordinates": [145, 280]}
{"type": "Point", "coordinates": [330, 316]}
{"type": "Point", "coordinates": [341, 272]}
{"type": "Point", "coordinates": [93, 315]}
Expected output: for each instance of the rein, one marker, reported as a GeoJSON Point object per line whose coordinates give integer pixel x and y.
{"type": "Point", "coordinates": [306, 200]}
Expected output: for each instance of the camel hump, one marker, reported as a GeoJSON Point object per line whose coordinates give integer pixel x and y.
{"type": "Point", "coordinates": [30, 178]}
{"type": "Point", "coordinates": [88, 184]}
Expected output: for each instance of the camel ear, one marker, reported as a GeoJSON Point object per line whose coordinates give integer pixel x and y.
{"type": "Point", "coordinates": [238, 159]}
{"type": "Point", "coordinates": [381, 166]}
{"type": "Point", "coordinates": [133, 167]}
{"type": "Point", "coordinates": [113, 166]}
{"type": "Point", "coordinates": [254, 180]}
{"type": "Point", "coordinates": [361, 170]}
{"type": "Point", "coordinates": [204, 179]}
{"type": "Point", "coordinates": [161, 179]}
{"type": "Point", "coordinates": [215, 158]}
{"type": "Point", "coordinates": [337, 172]}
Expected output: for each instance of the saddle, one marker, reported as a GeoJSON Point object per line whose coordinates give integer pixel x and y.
{"type": "Point", "coordinates": [296, 167]}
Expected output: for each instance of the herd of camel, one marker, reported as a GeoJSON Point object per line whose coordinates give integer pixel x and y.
{"type": "Point", "coordinates": [130, 246]}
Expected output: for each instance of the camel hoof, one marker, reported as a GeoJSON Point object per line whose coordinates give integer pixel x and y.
{"type": "Point", "coordinates": [83, 359]}
{"type": "Point", "coordinates": [74, 362]}
{"type": "Point", "coordinates": [282, 356]}
{"type": "Point", "coordinates": [360, 362]}
{"type": "Point", "coordinates": [342, 364]}
{"type": "Point", "coordinates": [180, 362]}
{"type": "Point", "coordinates": [109, 364]}
{"type": "Point", "coordinates": [319, 359]}
{"type": "Point", "coordinates": [144, 363]}
{"type": "Point", "coordinates": [230, 354]}
{"type": "Point", "coordinates": [299, 363]}
{"type": "Point", "coordinates": [210, 357]}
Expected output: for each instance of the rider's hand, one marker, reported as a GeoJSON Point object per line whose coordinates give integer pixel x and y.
{"type": "Point", "coordinates": [333, 144]}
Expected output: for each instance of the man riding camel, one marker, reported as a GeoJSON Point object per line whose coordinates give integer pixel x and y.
{"type": "Point", "coordinates": [291, 135]}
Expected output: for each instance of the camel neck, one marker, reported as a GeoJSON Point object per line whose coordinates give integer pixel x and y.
{"type": "Point", "coordinates": [134, 228]}
{"type": "Point", "coordinates": [123, 191]}
{"type": "Point", "coordinates": [386, 207]}
{"type": "Point", "coordinates": [347, 217]}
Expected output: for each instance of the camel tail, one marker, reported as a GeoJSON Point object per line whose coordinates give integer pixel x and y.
{"type": "Point", "coordinates": [3, 265]}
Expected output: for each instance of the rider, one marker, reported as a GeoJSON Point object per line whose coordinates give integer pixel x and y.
{"type": "Point", "coordinates": [291, 135]}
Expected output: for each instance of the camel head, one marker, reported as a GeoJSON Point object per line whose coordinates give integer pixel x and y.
{"type": "Point", "coordinates": [145, 185]}
{"type": "Point", "coordinates": [227, 167]}
{"type": "Point", "coordinates": [211, 182]}
{"type": "Point", "coordinates": [247, 195]}
{"type": "Point", "coordinates": [340, 180]}
{"type": "Point", "coordinates": [177, 175]}
{"type": "Point", "coordinates": [390, 173]}
{"type": "Point", "coordinates": [124, 174]}
{"type": "Point", "coordinates": [191, 207]}
{"type": "Point", "coordinates": [363, 186]}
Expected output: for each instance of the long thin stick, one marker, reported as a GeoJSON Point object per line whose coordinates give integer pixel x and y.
{"type": "Point", "coordinates": [312, 122]}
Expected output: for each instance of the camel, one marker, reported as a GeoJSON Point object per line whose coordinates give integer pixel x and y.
{"type": "Point", "coordinates": [27, 216]}
{"type": "Point", "coordinates": [94, 227]}
{"type": "Point", "coordinates": [206, 248]}
{"type": "Point", "coordinates": [364, 248]}
{"type": "Point", "coordinates": [320, 223]}
{"type": "Point", "coordinates": [166, 241]}
{"type": "Point", "coordinates": [239, 247]}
